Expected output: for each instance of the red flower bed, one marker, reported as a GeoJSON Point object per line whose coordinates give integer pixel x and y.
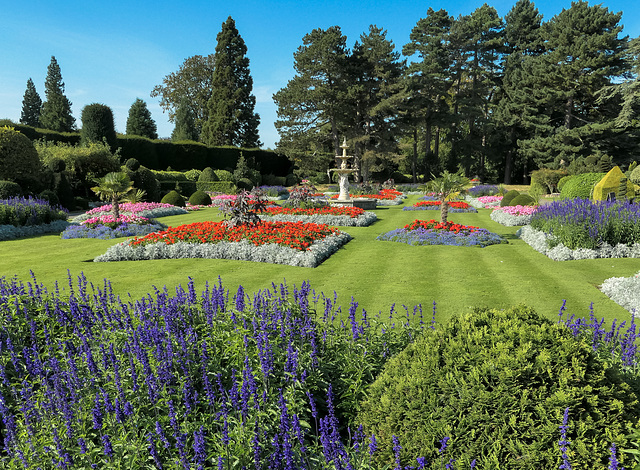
{"type": "Point", "coordinates": [296, 235]}
{"type": "Point", "coordinates": [352, 212]}
{"type": "Point", "coordinates": [454, 204]}
{"type": "Point", "coordinates": [435, 225]}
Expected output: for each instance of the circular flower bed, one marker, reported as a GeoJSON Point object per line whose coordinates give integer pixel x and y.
{"type": "Point", "coordinates": [293, 243]}
{"type": "Point", "coordinates": [140, 209]}
{"type": "Point", "coordinates": [454, 206]}
{"type": "Point", "coordinates": [432, 232]}
{"type": "Point", "coordinates": [330, 215]}
{"type": "Point", "coordinates": [106, 227]}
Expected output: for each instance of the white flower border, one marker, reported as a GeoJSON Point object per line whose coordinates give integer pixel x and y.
{"type": "Point", "coordinates": [363, 220]}
{"type": "Point", "coordinates": [240, 251]}
{"type": "Point", "coordinates": [625, 291]}
{"type": "Point", "coordinates": [538, 240]}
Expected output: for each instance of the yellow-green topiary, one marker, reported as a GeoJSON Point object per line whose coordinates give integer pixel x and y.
{"type": "Point", "coordinates": [610, 184]}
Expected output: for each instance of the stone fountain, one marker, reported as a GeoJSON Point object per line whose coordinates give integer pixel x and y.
{"type": "Point", "coordinates": [344, 199]}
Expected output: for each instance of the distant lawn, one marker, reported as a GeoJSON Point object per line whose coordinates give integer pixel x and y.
{"type": "Point", "coordinates": [377, 274]}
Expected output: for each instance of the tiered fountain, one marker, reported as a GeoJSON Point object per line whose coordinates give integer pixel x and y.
{"type": "Point", "coordinates": [344, 199]}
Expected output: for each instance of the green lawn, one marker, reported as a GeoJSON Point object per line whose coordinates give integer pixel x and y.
{"type": "Point", "coordinates": [377, 274]}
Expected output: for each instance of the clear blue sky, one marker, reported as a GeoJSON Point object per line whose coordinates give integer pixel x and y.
{"type": "Point", "coordinates": [114, 52]}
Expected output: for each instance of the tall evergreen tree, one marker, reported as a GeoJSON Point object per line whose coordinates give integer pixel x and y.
{"type": "Point", "coordinates": [56, 110]}
{"type": "Point", "coordinates": [311, 108]}
{"type": "Point", "coordinates": [140, 122]}
{"type": "Point", "coordinates": [185, 128]}
{"type": "Point", "coordinates": [31, 106]}
{"type": "Point", "coordinates": [98, 125]}
{"type": "Point", "coordinates": [232, 118]}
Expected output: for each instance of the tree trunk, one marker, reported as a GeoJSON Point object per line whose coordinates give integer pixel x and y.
{"type": "Point", "coordinates": [414, 158]}
{"type": "Point", "coordinates": [444, 211]}
{"type": "Point", "coordinates": [509, 160]}
{"type": "Point", "coordinates": [436, 144]}
{"type": "Point", "coordinates": [568, 113]}
{"type": "Point", "coordinates": [116, 207]}
{"type": "Point", "coordinates": [427, 146]}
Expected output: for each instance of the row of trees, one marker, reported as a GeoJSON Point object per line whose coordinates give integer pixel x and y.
{"type": "Point", "coordinates": [55, 112]}
{"type": "Point", "coordinates": [496, 96]}
{"type": "Point", "coordinates": [210, 99]}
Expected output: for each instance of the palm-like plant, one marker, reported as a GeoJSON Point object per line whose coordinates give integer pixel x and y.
{"type": "Point", "coordinates": [113, 187]}
{"type": "Point", "coordinates": [446, 185]}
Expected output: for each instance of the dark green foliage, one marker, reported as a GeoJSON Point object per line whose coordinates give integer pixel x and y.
{"type": "Point", "coordinates": [140, 122]}
{"type": "Point", "coordinates": [98, 125]}
{"type": "Point", "coordinates": [245, 183]}
{"type": "Point", "coordinates": [320, 177]}
{"type": "Point", "coordinates": [292, 180]}
{"type": "Point", "coordinates": [272, 180]}
{"type": "Point", "coordinates": [522, 200]}
{"type": "Point", "coordinates": [496, 382]}
{"type": "Point", "coordinates": [174, 198]}
{"type": "Point", "coordinates": [81, 203]}
{"type": "Point", "coordinates": [56, 165]}
{"type": "Point", "coordinates": [144, 179]}
{"type": "Point", "coordinates": [185, 128]}
{"type": "Point", "coordinates": [192, 175]}
{"type": "Point", "coordinates": [50, 196]}
{"type": "Point", "coordinates": [9, 189]}
{"type": "Point", "coordinates": [226, 187]}
{"type": "Point", "coordinates": [19, 160]}
{"type": "Point", "coordinates": [580, 185]}
{"type": "Point", "coordinates": [232, 119]}
{"type": "Point", "coordinates": [56, 110]}
{"type": "Point", "coordinates": [63, 190]}
{"type": "Point", "coordinates": [34, 134]}
{"type": "Point", "coordinates": [208, 174]}
{"type": "Point", "coordinates": [604, 164]}
{"type": "Point", "coordinates": [224, 175]}
{"type": "Point", "coordinates": [31, 106]}
{"type": "Point", "coordinates": [507, 198]}
{"type": "Point", "coordinates": [132, 164]}
{"type": "Point", "coordinates": [200, 198]}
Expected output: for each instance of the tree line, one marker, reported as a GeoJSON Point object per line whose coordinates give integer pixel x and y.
{"type": "Point", "coordinates": [497, 97]}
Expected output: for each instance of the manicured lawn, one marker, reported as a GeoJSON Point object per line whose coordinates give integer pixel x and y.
{"type": "Point", "coordinates": [376, 273]}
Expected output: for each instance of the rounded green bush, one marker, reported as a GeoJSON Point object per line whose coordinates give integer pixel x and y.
{"type": "Point", "coordinates": [144, 179]}
{"type": "Point", "coordinates": [223, 175]}
{"type": "Point", "coordinates": [174, 198]}
{"type": "Point", "coordinates": [563, 181]}
{"type": "Point", "coordinates": [506, 199]}
{"type": "Point", "coordinates": [132, 164]}
{"type": "Point", "coordinates": [9, 189]}
{"type": "Point", "coordinates": [580, 185]}
{"type": "Point", "coordinates": [98, 124]}
{"type": "Point", "coordinates": [193, 175]}
{"type": "Point", "coordinates": [291, 180]}
{"type": "Point", "coordinates": [50, 196]}
{"type": "Point", "coordinates": [19, 161]}
{"type": "Point", "coordinates": [200, 198]}
{"type": "Point", "coordinates": [208, 175]}
{"type": "Point", "coordinates": [497, 382]}
{"type": "Point", "coordinates": [635, 175]}
{"type": "Point", "coordinates": [522, 200]}
{"type": "Point", "coordinates": [245, 183]}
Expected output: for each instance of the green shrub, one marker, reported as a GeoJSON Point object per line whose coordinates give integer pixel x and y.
{"type": "Point", "coordinates": [174, 198]}
{"type": "Point", "coordinates": [563, 181]}
{"type": "Point", "coordinates": [63, 190]}
{"type": "Point", "coordinates": [506, 199]}
{"type": "Point", "coordinates": [81, 203]}
{"type": "Point", "coordinates": [291, 180]}
{"type": "Point", "coordinates": [9, 189]}
{"type": "Point", "coordinates": [132, 164]}
{"type": "Point", "coordinates": [635, 175]}
{"type": "Point", "coordinates": [200, 198]}
{"type": "Point", "coordinates": [547, 178]}
{"type": "Point", "coordinates": [208, 174]}
{"type": "Point", "coordinates": [245, 183]}
{"type": "Point", "coordinates": [19, 160]}
{"type": "Point", "coordinates": [223, 175]}
{"type": "Point", "coordinates": [144, 179]}
{"type": "Point", "coordinates": [98, 124]}
{"type": "Point", "coordinates": [400, 178]}
{"type": "Point", "coordinates": [580, 185]}
{"type": "Point", "coordinates": [57, 165]}
{"type": "Point", "coordinates": [226, 187]}
{"type": "Point", "coordinates": [320, 177]}
{"type": "Point", "coordinates": [192, 175]}
{"type": "Point", "coordinates": [272, 180]}
{"type": "Point", "coordinates": [496, 382]}
{"type": "Point", "coordinates": [522, 200]}
{"type": "Point", "coordinates": [50, 196]}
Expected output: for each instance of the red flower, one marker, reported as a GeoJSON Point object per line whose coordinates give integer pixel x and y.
{"type": "Point", "coordinates": [454, 204]}
{"type": "Point", "coordinates": [435, 225]}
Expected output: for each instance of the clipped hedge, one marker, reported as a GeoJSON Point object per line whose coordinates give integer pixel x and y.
{"type": "Point", "coordinates": [580, 186]}
{"type": "Point", "coordinates": [497, 382]}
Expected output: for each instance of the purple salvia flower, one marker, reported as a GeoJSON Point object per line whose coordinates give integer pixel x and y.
{"type": "Point", "coordinates": [613, 458]}
{"type": "Point", "coordinates": [422, 462]}
{"type": "Point", "coordinates": [96, 412]}
{"type": "Point", "coordinates": [161, 435]}
{"type": "Point", "coordinates": [108, 448]}
{"type": "Point", "coordinates": [563, 443]}
{"type": "Point", "coordinates": [443, 445]}
{"type": "Point", "coordinates": [83, 445]}
{"type": "Point", "coordinates": [396, 452]}
{"type": "Point", "coordinates": [433, 316]}
{"type": "Point", "coordinates": [199, 448]}
{"type": "Point", "coordinates": [151, 445]}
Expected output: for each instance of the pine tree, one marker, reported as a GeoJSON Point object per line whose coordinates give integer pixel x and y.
{"type": "Point", "coordinates": [232, 119]}
{"type": "Point", "coordinates": [56, 110]}
{"type": "Point", "coordinates": [185, 123]}
{"type": "Point", "coordinates": [31, 106]}
{"type": "Point", "coordinates": [140, 122]}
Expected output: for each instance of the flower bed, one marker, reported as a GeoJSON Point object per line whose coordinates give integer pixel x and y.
{"type": "Point", "coordinates": [106, 227]}
{"type": "Point", "coordinates": [513, 215]}
{"type": "Point", "coordinates": [454, 206]}
{"type": "Point", "coordinates": [26, 217]}
{"type": "Point", "coordinates": [432, 232]}
{"type": "Point", "coordinates": [292, 243]}
{"type": "Point", "coordinates": [141, 209]}
{"type": "Point", "coordinates": [483, 190]}
{"type": "Point", "coordinates": [329, 215]}
{"type": "Point", "coordinates": [625, 291]}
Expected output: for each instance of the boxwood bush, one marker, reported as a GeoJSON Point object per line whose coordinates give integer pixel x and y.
{"type": "Point", "coordinates": [506, 199]}
{"type": "Point", "coordinates": [580, 186]}
{"type": "Point", "coordinates": [497, 383]}
{"type": "Point", "coordinates": [174, 198]}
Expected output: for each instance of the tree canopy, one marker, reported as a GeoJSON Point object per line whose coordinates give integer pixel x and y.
{"type": "Point", "coordinates": [140, 121]}
{"type": "Point", "coordinates": [56, 110]}
{"type": "Point", "coordinates": [31, 105]}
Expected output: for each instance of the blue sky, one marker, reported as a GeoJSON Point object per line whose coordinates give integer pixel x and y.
{"type": "Point", "coordinates": [114, 52]}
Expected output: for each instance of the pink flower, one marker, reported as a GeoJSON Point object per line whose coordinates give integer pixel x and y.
{"type": "Point", "coordinates": [517, 210]}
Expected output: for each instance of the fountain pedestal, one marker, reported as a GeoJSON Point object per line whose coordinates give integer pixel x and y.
{"type": "Point", "coordinates": [344, 199]}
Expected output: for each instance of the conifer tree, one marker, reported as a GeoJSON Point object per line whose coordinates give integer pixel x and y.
{"type": "Point", "coordinates": [232, 118]}
{"type": "Point", "coordinates": [140, 122]}
{"type": "Point", "coordinates": [31, 106]}
{"type": "Point", "coordinates": [56, 110]}
{"type": "Point", "coordinates": [185, 123]}
{"type": "Point", "coordinates": [98, 125]}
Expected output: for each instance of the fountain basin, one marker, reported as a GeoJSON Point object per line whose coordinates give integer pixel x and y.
{"type": "Point", "coordinates": [361, 202]}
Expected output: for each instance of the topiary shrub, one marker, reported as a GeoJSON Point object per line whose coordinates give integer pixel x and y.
{"type": "Point", "coordinates": [635, 175]}
{"type": "Point", "coordinates": [224, 175]}
{"type": "Point", "coordinates": [174, 198]}
{"type": "Point", "coordinates": [563, 181]}
{"type": "Point", "coordinates": [144, 179]}
{"type": "Point", "coordinates": [245, 183]}
{"type": "Point", "coordinates": [9, 189]}
{"type": "Point", "coordinates": [506, 199]}
{"type": "Point", "coordinates": [580, 186]}
{"type": "Point", "coordinates": [226, 187]}
{"type": "Point", "coordinates": [57, 165]}
{"type": "Point", "coordinates": [610, 184]}
{"type": "Point", "coordinates": [200, 198]}
{"type": "Point", "coordinates": [132, 164]}
{"type": "Point", "coordinates": [522, 200]}
{"type": "Point", "coordinates": [208, 174]}
{"type": "Point", "coordinates": [291, 180]}
{"type": "Point", "coordinates": [98, 125]}
{"type": "Point", "coordinates": [497, 382]}
{"type": "Point", "coordinates": [50, 196]}
{"type": "Point", "coordinates": [19, 161]}
{"type": "Point", "coordinates": [193, 175]}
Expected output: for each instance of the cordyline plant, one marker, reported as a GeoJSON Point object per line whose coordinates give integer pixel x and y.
{"type": "Point", "coordinates": [116, 187]}
{"type": "Point", "coordinates": [244, 209]}
{"type": "Point", "coordinates": [446, 186]}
